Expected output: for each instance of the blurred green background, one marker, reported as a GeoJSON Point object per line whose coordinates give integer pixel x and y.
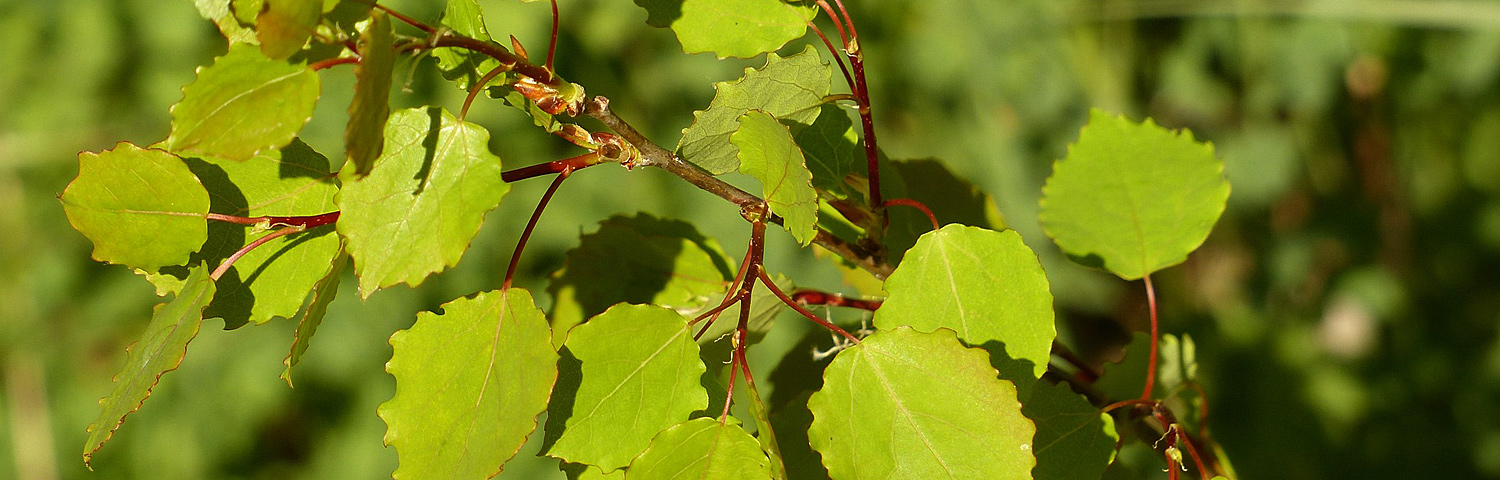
{"type": "Point", "coordinates": [1345, 307]}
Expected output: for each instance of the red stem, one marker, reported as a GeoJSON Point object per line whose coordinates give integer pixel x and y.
{"type": "Point", "coordinates": [1193, 452]}
{"type": "Point", "coordinates": [515, 257]}
{"type": "Point", "coordinates": [304, 221]}
{"type": "Point", "coordinates": [552, 47]}
{"type": "Point", "coordinates": [478, 86]}
{"type": "Point", "coordinates": [1151, 365]}
{"type": "Point", "coordinates": [409, 21]}
{"type": "Point", "coordinates": [810, 316]}
{"type": "Point", "coordinates": [836, 57]}
{"type": "Point", "coordinates": [852, 33]}
{"type": "Point", "coordinates": [914, 204]}
{"type": "Point", "coordinates": [815, 297]}
{"type": "Point", "coordinates": [330, 62]}
{"type": "Point", "coordinates": [556, 166]}
{"type": "Point", "coordinates": [228, 262]}
{"type": "Point", "coordinates": [843, 36]}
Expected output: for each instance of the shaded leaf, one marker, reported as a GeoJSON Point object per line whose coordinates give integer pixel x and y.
{"type": "Point", "coordinates": [1073, 439]}
{"type": "Point", "coordinates": [323, 294]}
{"type": "Point", "coordinates": [788, 89]}
{"type": "Point", "coordinates": [758, 26]}
{"type": "Point", "coordinates": [767, 153]}
{"type": "Point", "coordinates": [1135, 197]}
{"type": "Point", "coordinates": [416, 213]}
{"type": "Point", "coordinates": [159, 350]}
{"type": "Point", "coordinates": [639, 259]}
{"type": "Point", "coordinates": [985, 285]}
{"type": "Point", "coordinates": [702, 448]}
{"type": "Point", "coordinates": [918, 405]}
{"type": "Point", "coordinates": [283, 26]}
{"type": "Point", "coordinates": [661, 13]}
{"type": "Point", "coordinates": [832, 148]}
{"type": "Point", "coordinates": [364, 136]}
{"type": "Point", "coordinates": [469, 385]}
{"type": "Point", "coordinates": [274, 279]}
{"type": "Point", "coordinates": [952, 200]}
{"type": "Point", "coordinates": [636, 372]}
{"type": "Point", "coordinates": [242, 104]}
{"type": "Point", "coordinates": [142, 208]}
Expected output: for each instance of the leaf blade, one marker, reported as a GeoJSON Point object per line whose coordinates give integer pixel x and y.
{"type": "Point", "coordinates": [364, 137]}
{"type": "Point", "coordinates": [787, 88]}
{"type": "Point", "coordinates": [767, 152]}
{"type": "Point", "coordinates": [142, 208]}
{"type": "Point", "coordinates": [243, 104]}
{"type": "Point", "coordinates": [760, 26]}
{"type": "Point", "coordinates": [702, 448]}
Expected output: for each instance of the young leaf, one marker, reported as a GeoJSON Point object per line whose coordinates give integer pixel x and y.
{"type": "Point", "coordinates": [467, 67]}
{"type": "Point", "coordinates": [1134, 198]}
{"type": "Point", "coordinates": [364, 136]}
{"type": "Point", "coordinates": [142, 208]}
{"type": "Point", "coordinates": [757, 26]}
{"type": "Point", "coordinates": [638, 259]}
{"type": "Point", "coordinates": [702, 448]}
{"type": "Point", "coordinates": [634, 372]}
{"type": "Point", "coordinates": [767, 153]}
{"type": "Point", "coordinates": [284, 25]}
{"type": "Point", "coordinates": [243, 104]}
{"type": "Point", "coordinates": [312, 316]}
{"type": "Point", "coordinates": [274, 279]}
{"type": "Point", "coordinates": [985, 285]}
{"type": "Point", "coordinates": [160, 350]}
{"type": "Point", "coordinates": [788, 89]}
{"type": "Point", "coordinates": [918, 405]}
{"type": "Point", "coordinates": [469, 385]}
{"type": "Point", "coordinates": [416, 213]}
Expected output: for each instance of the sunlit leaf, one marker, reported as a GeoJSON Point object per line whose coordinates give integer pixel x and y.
{"type": "Point", "coordinates": [416, 213]}
{"type": "Point", "coordinates": [159, 350]}
{"type": "Point", "coordinates": [469, 385]}
{"type": "Point", "coordinates": [141, 208]}
{"type": "Point", "coordinates": [283, 26]}
{"type": "Point", "coordinates": [466, 66]}
{"type": "Point", "coordinates": [702, 448]}
{"type": "Point", "coordinates": [906, 404]}
{"type": "Point", "coordinates": [788, 89]}
{"type": "Point", "coordinates": [832, 149]}
{"type": "Point", "coordinates": [633, 372]}
{"type": "Point", "coordinates": [985, 285]}
{"type": "Point", "coordinates": [364, 137]}
{"type": "Point", "coordinates": [1133, 197]}
{"type": "Point", "coordinates": [766, 152]}
{"type": "Point", "coordinates": [219, 12]}
{"type": "Point", "coordinates": [242, 104]}
{"type": "Point", "coordinates": [638, 259]}
{"type": "Point", "coordinates": [758, 26]}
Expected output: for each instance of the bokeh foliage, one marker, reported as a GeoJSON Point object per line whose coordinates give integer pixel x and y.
{"type": "Point", "coordinates": [1344, 309]}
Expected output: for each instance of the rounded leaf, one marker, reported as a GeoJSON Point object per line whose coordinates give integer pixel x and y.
{"type": "Point", "coordinates": [243, 104]}
{"type": "Point", "coordinates": [1133, 197]}
{"type": "Point", "coordinates": [906, 404]}
{"type": "Point", "coordinates": [758, 26]}
{"type": "Point", "coordinates": [702, 449]}
{"type": "Point", "coordinates": [142, 208]}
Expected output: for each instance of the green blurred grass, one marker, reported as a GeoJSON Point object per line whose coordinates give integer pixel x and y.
{"type": "Point", "coordinates": [1345, 308]}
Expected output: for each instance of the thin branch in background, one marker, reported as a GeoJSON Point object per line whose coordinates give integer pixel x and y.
{"type": "Point", "coordinates": [1151, 364]}
{"type": "Point", "coordinates": [907, 202]}
{"type": "Point", "coordinates": [229, 262]}
{"type": "Point", "coordinates": [515, 257]}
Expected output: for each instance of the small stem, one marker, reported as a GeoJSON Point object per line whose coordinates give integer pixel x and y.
{"type": "Point", "coordinates": [556, 166]}
{"type": "Point", "coordinates": [304, 221]}
{"type": "Point", "coordinates": [907, 202]}
{"type": "Point", "coordinates": [1187, 443]}
{"type": "Point", "coordinates": [833, 17]}
{"type": "Point", "coordinates": [853, 35]}
{"type": "Point", "coordinates": [229, 262]}
{"type": "Point", "coordinates": [836, 57]}
{"type": "Point", "coordinates": [1089, 374]}
{"type": "Point", "coordinates": [409, 21]}
{"type": "Point", "coordinates": [505, 57]}
{"type": "Point", "coordinates": [479, 86]}
{"type": "Point", "coordinates": [1151, 364]}
{"type": "Point", "coordinates": [552, 47]}
{"type": "Point", "coordinates": [1122, 403]}
{"type": "Point", "coordinates": [816, 297]}
{"type": "Point", "coordinates": [810, 316]}
{"type": "Point", "coordinates": [330, 62]}
{"type": "Point", "coordinates": [515, 257]}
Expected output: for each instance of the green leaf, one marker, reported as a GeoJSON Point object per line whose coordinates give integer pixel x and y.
{"type": "Point", "coordinates": [219, 12]}
{"type": "Point", "coordinates": [767, 153]}
{"type": "Point", "coordinates": [416, 213]}
{"type": "Point", "coordinates": [1073, 439]}
{"type": "Point", "coordinates": [985, 285]}
{"type": "Point", "coordinates": [757, 26]}
{"type": "Point", "coordinates": [159, 350]}
{"type": "Point", "coordinates": [702, 448]}
{"type": "Point", "coordinates": [642, 260]}
{"type": "Point", "coordinates": [466, 66]}
{"type": "Point", "coordinates": [312, 316]}
{"type": "Point", "coordinates": [832, 148]}
{"type": "Point", "coordinates": [788, 89]}
{"type": "Point", "coordinates": [283, 26]}
{"type": "Point", "coordinates": [1134, 198]}
{"type": "Point", "coordinates": [661, 13]}
{"type": "Point", "coordinates": [469, 385]}
{"type": "Point", "coordinates": [1179, 361]}
{"type": "Point", "coordinates": [274, 279]}
{"type": "Point", "coordinates": [243, 104]}
{"type": "Point", "coordinates": [364, 137]}
{"type": "Point", "coordinates": [142, 208]}
{"type": "Point", "coordinates": [634, 372]}
{"type": "Point", "coordinates": [918, 405]}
